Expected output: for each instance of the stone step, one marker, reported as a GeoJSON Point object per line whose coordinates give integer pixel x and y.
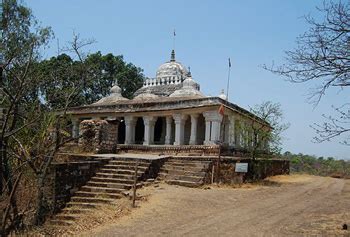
{"type": "Point", "coordinates": [124, 167]}
{"type": "Point", "coordinates": [92, 199]}
{"type": "Point", "coordinates": [112, 180]}
{"type": "Point", "coordinates": [184, 167]}
{"type": "Point", "coordinates": [114, 176]}
{"type": "Point", "coordinates": [128, 163]}
{"type": "Point", "coordinates": [68, 217]}
{"type": "Point", "coordinates": [183, 172]}
{"type": "Point", "coordinates": [88, 188]}
{"type": "Point", "coordinates": [56, 222]}
{"type": "Point", "coordinates": [188, 162]}
{"type": "Point", "coordinates": [184, 183]}
{"type": "Point", "coordinates": [183, 178]}
{"type": "Point", "coordinates": [111, 185]}
{"type": "Point", "coordinates": [97, 194]}
{"type": "Point", "coordinates": [70, 210]}
{"type": "Point", "coordinates": [120, 171]}
{"type": "Point", "coordinates": [83, 205]}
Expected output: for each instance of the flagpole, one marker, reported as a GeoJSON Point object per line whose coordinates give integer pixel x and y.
{"type": "Point", "coordinates": [174, 40]}
{"type": "Point", "coordinates": [228, 77]}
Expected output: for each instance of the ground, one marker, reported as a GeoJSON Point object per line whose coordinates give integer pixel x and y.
{"type": "Point", "coordinates": [282, 206]}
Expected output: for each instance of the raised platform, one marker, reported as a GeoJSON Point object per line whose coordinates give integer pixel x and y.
{"type": "Point", "coordinates": [171, 149]}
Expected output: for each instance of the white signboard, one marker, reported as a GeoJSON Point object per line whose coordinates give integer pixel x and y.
{"type": "Point", "coordinates": [241, 167]}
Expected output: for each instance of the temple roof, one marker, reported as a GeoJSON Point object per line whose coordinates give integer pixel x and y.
{"type": "Point", "coordinates": [160, 104]}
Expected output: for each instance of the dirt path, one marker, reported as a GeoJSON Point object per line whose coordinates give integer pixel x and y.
{"type": "Point", "coordinates": [297, 205]}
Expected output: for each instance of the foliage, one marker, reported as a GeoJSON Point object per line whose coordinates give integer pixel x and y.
{"type": "Point", "coordinates": [322, 56]}
{"type": "Point", "coordinates": [301, 163]}
{"type": "Point", "coordinates": [260, 138]}
{"type": "Point", "coordinates": [94, 76]}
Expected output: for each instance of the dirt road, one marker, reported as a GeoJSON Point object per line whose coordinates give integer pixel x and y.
{"type": "Point", "coordinates": [288, 206]}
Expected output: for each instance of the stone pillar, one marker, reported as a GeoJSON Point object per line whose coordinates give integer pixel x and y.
{"type": "Point", "coordinates": [212, 126]}
{"type": "Point", "coordinates": [180, 120]}
{"type": "Point", "coordinates": [130, 123]}
{"type": "Point", "coordinates": [169, 121]}
{"type": "Point", "coordinates": [194, 124]}
{"type": "Point", "coordinates": [149, 122]}
{"type": "Point", "coordinates": [207, 132]}
{"type": "Point", "coordinates": [75, 128]}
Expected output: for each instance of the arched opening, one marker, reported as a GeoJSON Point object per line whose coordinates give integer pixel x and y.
{"type": "Point", "coordinates": [201, 130]}
{"type": "Point", "coordinates": [121, 131]}
{"type": "Point", "coordinates": [139, 131]}
{"type": "Point", "coordinates": [187, 134]}
{"type": "Point", "coordinates": [159, 131]}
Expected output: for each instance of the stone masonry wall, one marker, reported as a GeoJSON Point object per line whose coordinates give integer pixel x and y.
{"type": "Point", "coordinates": [261, 169]}
{"type": "Point", "coordinates": [98, 136]}
{"type": "Point", "coordinates": [64, 179]}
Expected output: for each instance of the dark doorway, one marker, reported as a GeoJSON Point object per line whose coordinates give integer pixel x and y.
{"type": "Point", "coordinates": [159, 131]}
{"type": "Point", "coordinates": [121, 132]}
{"type": "Point", "coordinates": [139, 131]}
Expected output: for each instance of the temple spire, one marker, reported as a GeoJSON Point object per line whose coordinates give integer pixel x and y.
{"type": "Point", "coordinates": [172, 59]}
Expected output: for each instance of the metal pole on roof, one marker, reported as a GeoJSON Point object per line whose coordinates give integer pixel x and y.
{"type": "Point", "coordinates": [228, 78]}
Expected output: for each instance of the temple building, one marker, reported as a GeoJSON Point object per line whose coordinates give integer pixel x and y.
{"type": "Point", "coordinates": [168, 111]}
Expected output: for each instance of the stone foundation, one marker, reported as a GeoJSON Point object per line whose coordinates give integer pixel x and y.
{"type": "Point", "coordinates": [98, 136]}
{"type": "Point", "coordinates": [64, 179]}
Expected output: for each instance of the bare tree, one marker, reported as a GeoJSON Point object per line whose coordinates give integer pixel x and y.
{"type": "Point", "coordinates": [323, 55]}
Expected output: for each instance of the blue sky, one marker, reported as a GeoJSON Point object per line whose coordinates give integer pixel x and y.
{"type": "Point", "coordinates": [251, 33]}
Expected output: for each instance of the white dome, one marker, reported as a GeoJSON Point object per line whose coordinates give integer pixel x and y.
{"type": "Point", "coordinates": [147, 95]}
{"type": "Point", "coordinates": [189, 89]}
{"type": "Point", "coordinates": [172, 69]}
{"type": "Point", "coordinates": [114, 97]}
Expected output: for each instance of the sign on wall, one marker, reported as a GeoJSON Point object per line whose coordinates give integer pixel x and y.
{"type": "Point", "coordinates": [241, 167]}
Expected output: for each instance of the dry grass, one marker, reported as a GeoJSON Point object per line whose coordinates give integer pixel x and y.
{"type": "Point", "coordinates": [294, 178]}
{"type": "Point", "coordinates": [105, 214]}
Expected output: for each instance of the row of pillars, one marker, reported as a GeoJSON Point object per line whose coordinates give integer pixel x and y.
{"type": "Point", "coordinates": [212, 128]}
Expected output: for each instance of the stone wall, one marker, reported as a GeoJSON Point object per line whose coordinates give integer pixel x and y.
{"type": "Point", "coordinates": [64, 179]}
{"type": "Point", "coordinates": [98, 136]}
{"type": "Point", "coordinates": [257, 170]}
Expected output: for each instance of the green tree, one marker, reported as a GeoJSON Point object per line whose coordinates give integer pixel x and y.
{"type": "Point", "coordinates": [22, 40]}
{"type": "Point", "coordinates": [92, 77]}
{"type": "Point", "coordinates": [259, 137]}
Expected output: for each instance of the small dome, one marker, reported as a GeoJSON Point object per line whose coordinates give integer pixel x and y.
{"type": "Point", "coordinates": [114, 97]}
{"type": "Point", "coordinates": [147, 95]}
{"type": "Point", "coordinates": [222, 95]}
{"type": "Point", "coordinates": [115, 89]}
{"type": "Point", "coordinates": [189, 89]}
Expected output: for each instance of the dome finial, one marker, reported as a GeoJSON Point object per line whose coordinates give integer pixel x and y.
{"type": "Point", "coordinates": [189, 72]}
{"type": "Point", "coordinates": [172, 59]}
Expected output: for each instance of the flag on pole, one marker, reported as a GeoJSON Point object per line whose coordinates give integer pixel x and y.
{"type": "Point", "coordinates": [229, 62]}
{"type": "Point", "coordinates": [221, 110]}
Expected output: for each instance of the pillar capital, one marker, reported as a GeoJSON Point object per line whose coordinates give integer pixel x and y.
{"type": "Point", "coordinates": [129, 120]}
{"type": "Point", "coordinates": [212, 115]}
{"type": "Point", "coordinates": [180, 118]}
{"type": "Point", "coordinates": [149, 119]}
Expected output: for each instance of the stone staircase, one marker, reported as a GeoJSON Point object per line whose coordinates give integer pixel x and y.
{"type": "Point", "coordinates": [109, 184]}
{"type": "Point", "coordinates": [184, 172]}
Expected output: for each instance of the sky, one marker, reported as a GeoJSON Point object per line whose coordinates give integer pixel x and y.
{"type": "Point", "coordinates": [251, 32]}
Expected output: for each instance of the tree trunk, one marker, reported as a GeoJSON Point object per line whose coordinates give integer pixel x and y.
{"type": "Point", "coordinates": [39, 201]}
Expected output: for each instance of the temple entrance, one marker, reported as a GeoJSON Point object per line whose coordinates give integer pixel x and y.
{"type": "Point", "coordinates": [201, 130]}
{"type": "Point", "coordinates": [139, 131]}
{"type": "Point", "coordinates": [159, 131]}
{"type": "Point", "coordinates": [187, 131]}
{"type": "Point", "coordinates": [121, 131]}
